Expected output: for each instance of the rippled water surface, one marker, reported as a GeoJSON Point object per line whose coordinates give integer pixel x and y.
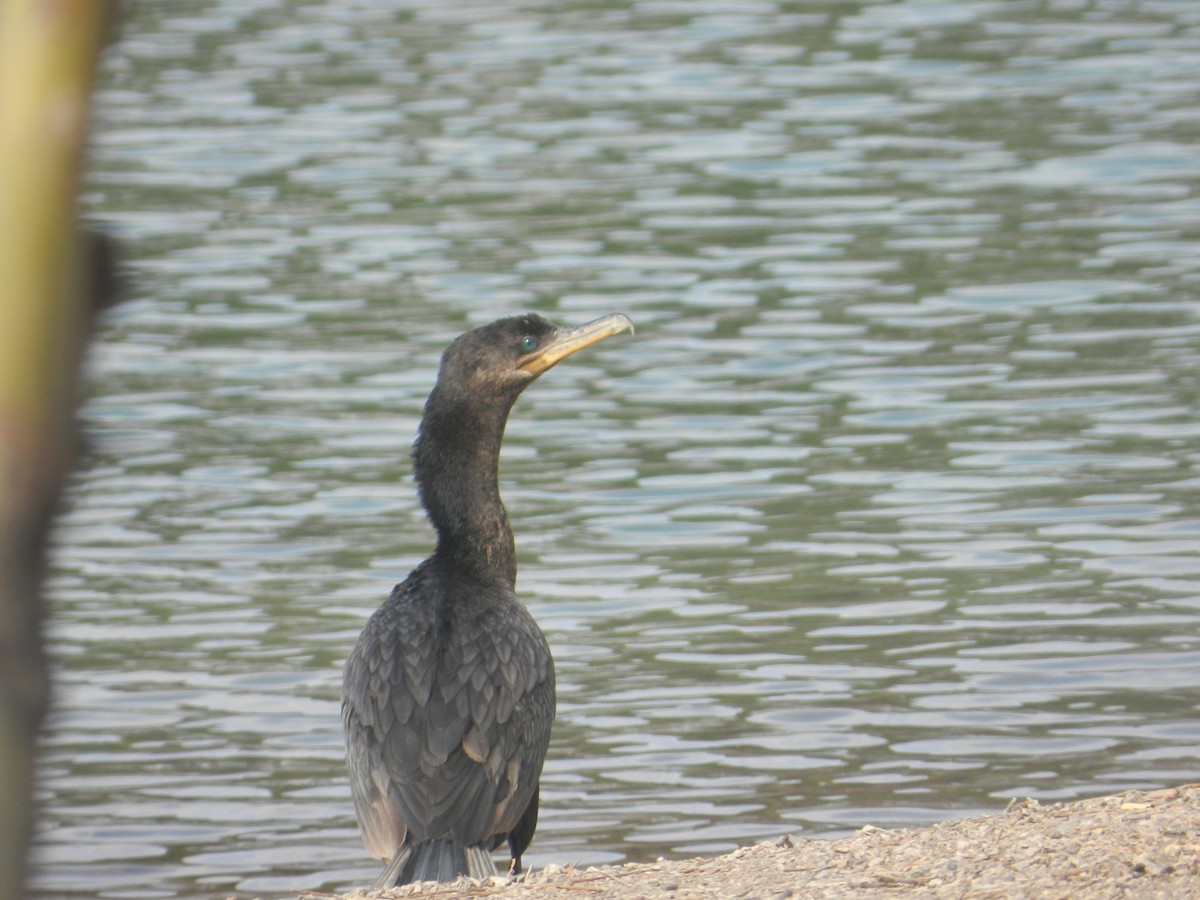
{"type": "Point", "coordinates": [888, 513]}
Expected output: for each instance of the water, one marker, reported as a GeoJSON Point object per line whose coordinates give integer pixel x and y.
{"type": "Point", "coordinates": [888, 513]}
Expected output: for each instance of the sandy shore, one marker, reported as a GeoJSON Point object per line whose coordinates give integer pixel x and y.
{"type": "Point", "coordinates": [1134, 844]}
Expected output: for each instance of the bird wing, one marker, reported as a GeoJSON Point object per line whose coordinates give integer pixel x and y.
{"type": "Point", "coordinates": [447, 713]}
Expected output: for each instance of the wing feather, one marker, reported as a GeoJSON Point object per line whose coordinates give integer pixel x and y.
{"type": "Point", "coordinates": [446, 699]}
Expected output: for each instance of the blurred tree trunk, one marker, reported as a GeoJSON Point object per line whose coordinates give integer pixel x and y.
{"type": "Point", "coordinates": [48, 55]}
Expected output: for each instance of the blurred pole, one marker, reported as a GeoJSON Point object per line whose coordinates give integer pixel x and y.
{"type": "Point", "coordinates": [49, 51]}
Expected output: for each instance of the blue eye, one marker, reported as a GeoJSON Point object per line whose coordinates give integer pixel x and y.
{"type": "Point", "coordinates": [528, 342]}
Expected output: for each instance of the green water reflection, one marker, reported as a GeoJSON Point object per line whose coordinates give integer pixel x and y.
{"type": "Point", "coordinates": [886, 515]}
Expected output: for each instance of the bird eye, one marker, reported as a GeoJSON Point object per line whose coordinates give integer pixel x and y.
{"type": "Point", "coordinates": [528, 342]}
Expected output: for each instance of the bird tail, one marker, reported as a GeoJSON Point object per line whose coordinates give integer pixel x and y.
{"type": "Point", "coordinates": [435, 860]}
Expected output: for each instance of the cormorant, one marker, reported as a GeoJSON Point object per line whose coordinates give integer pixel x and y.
{"type": "Point", "coordinates": [449, 693]}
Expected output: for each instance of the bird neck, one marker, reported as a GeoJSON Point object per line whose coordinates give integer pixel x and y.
{"type": "Point", "coordinates": [456, 461]}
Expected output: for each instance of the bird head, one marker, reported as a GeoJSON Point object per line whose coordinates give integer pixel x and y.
{"type": "Point", "coordinates": [503, 358]}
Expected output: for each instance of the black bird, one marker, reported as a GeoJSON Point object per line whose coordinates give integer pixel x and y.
{"type": "Point", "coordinates": [449, 693]}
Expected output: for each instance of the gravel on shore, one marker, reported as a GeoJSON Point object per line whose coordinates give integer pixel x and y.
{"type": "Point", "coordinates": [1136, 844]}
